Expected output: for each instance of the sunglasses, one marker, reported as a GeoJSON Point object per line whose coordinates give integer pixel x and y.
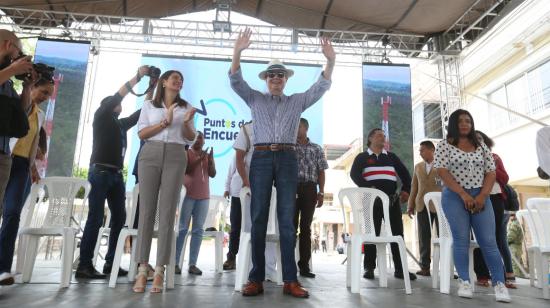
{"type": "Point", "coordinates": [277, 74]}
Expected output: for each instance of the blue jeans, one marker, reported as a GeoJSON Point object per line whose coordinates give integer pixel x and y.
{"type": "Point", "coordinates": [17, 190]}
{"type": "Point", "coordinates": [198, 209]}
{"type": "Point", "coordinates": [106, 185]}
{"type": "Point", "coordinates": [483, 223]}
{"type": "Point", "coordinates": [268, 168]}
{"type": "Point", "coordinates": [501, 223]}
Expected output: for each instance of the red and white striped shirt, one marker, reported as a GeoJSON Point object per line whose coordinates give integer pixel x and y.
{"type": "Point", "coordinates": [380, 173]}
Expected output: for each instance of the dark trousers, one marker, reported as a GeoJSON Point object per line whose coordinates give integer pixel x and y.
{"type": "Point", "coordinates": [106, 185]}
{"type": "Point", "coordinates": [17, 190]}
{"type": "Point", "coordinates": [235, 217]}
{"type": "Point", "coordinates": [396, 224]}
{"type": "Point", "coordinates": [425, 236]}
{"type": "Point", "coordinates": [305, 208]}
{"type": "Point", "coordinates": [501, 234]}
{"type": "Point", "coordinates": [268, 168]}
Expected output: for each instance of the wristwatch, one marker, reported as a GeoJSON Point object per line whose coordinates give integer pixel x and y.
{"type": "Point", "coordinates": [321, 193]}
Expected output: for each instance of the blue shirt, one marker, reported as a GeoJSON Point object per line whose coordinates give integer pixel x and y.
{"type": "Point", "coordinates": [276, 118]}
{"type": "Point", "coordinates": [7, 89]}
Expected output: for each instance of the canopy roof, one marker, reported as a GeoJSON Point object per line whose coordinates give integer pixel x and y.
{"type": "Point", "coordinates": [457, 19]}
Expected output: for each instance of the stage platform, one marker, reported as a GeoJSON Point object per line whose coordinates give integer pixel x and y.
{"type": "Point", "coordinates": [216, 290]}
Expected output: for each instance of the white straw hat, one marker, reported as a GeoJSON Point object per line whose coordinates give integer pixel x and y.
{"type": "Point", "coordinates": [275, 65]}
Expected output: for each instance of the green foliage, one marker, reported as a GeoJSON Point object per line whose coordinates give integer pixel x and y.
{"type": "Point", "coordinates": [125, 172]}
{"type": "Point", "coordinates": [83, 174]}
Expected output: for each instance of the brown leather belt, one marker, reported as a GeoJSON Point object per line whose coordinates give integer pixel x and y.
{"type": "Point", "coordinates": [275, 147]}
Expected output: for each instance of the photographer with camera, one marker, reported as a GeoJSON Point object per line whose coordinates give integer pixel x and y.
{"type": "Point", "coordinates": [105, 175]}
{"type": "Point", "coordinates": [23, 173]}
{"type": "Point", "coordinates": [13, 119]}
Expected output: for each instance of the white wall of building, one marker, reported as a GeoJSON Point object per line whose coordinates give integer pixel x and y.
{"type": "Point", "coordinates": [519, 43]}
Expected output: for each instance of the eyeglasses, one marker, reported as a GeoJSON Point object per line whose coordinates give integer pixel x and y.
{"type": "Point", "coordinates": [278, 74]}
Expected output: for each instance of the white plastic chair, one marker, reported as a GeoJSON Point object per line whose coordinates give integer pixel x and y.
{"type": "Point", "coordinates": [533, 251]}
{"type": "Point", "coordinates": [244, 257]}
{"type": "Point", "coordinates": [443, 263]}
{"type": "Point", "coordinates": [214, 219]}
{"type": "Point", "coordinates": [105, 230]}
{"type": "Point", "coordinates": [362, 201]}
{"type": "Point", "coordinates": [130, 231]}
{"type": "Point", "coordinates": [36, 196]}
{"type": "Point", "coordinates": [540, 212]}
{"type": "Point", "coordinates": [346, 239]}
{"type": "Point", "coordinates": [61, 194]}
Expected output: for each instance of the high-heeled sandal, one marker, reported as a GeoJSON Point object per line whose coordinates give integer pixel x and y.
{"type": "Point", "coordinates": [159, 273]}
{"type": "Point", "coordinates": [141, 279]}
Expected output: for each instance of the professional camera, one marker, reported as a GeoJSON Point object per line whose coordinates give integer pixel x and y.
{"type": "Point", "coordinates": [44, 72]}
{"type": "Point", "coordinates": [154, 72]}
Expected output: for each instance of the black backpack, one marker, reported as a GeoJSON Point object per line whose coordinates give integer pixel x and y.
{"type": "Point", "coordinates": [512, 201]}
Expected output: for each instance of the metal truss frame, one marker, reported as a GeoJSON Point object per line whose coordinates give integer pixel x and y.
{"type": "Point", "coordinates": [450, 86]}
{"type": "Point", "coordinates": [195, 33]}
{"type": "Point", "coordinates": [371, 46]}
{"type": "Point", "coordinates": [477, 19]}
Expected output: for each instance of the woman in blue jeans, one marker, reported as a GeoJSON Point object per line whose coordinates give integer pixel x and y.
{"type": "Point", "coordinates": [200, 167]}
{"type": "Point", "coordinates": [498, 198]}
{"type": "Point", "coordinates": [467, 169]}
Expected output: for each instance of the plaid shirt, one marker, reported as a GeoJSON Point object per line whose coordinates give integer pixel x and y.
{"type": "Point", "coordinates": [311, 160]}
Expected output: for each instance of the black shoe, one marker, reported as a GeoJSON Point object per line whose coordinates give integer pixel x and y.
{"type": "Point", "coordinates": [307, 274]}
{"type": "Point", "coordinates": [229, 264]}
{"type": "Point", "coordinates": [108, 267]}
{"type": "Point", "coordinates": [399, 275]}
{"type": "Point", "coordinates": [369, 274]}
{"type": "Point", "coordinates": [89, 272]}
{"type": "Point", "coordinates": [193, 270]}
{"type": "Point", "coordinates": [178, 270]}
{"type": "Point", "coordinates": [6, 279]}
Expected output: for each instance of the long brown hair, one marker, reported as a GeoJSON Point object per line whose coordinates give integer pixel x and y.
{"type": "Point", "coordinates": [159, 91]}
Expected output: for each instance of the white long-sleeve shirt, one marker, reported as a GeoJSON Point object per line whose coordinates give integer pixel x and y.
{"type": "Point", "coordinates": [233, 182]}
{"type": "Point", "coordinates": [151, 115]}
{"type": "Point", "coordinates": [543, 148]}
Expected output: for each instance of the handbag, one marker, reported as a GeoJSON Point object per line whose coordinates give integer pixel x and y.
{"type": "Point", "coordinates": [512, 200]}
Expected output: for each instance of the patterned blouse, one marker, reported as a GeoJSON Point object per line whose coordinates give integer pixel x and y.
{"type": "Point", "coordinates": [468, 168]}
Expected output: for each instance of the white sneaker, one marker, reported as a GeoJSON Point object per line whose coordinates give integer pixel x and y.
{"type": "Point", "coordinates": [464, 289]}
{"type": "Point", "coordinates": [501, 293]}
{"type": "Point", "coordinates": [6, 279]}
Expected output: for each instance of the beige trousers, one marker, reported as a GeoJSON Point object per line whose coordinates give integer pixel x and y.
{"type": "Point", "coordinates": [161, 171]}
